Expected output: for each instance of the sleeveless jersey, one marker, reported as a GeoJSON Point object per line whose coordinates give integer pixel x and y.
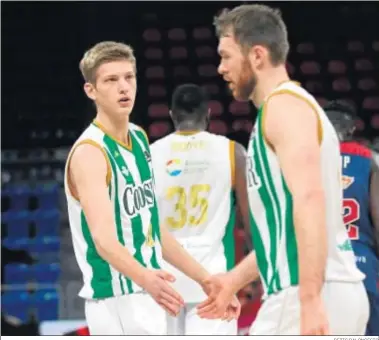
{"type": "Point", "coordinates": [194, 185]}
{"type": "Point", "coordinates": [271, 206]}
{"type": "Point", "coordinates": [356, 171]}
{"type": "Point", "coordinates": [131, 190]}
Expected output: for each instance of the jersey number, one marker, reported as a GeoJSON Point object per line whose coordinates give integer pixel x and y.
{"type": "Point", "coordinates": [351, 214]}
{"type": "Point", "coordinates": [185, 205]}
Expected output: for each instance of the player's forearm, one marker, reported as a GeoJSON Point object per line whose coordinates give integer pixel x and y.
{"type": "Point", "coordinates": [244, 273]}
{"type": "Point", "coordinates": [174, 254]}
{"type": "Point", "coordinates": [120, 259]}
{"type": "Point", "coordinates": [311, 236]}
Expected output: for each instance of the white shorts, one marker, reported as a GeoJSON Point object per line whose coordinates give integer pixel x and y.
{"type": "Point", "coordinates": [346, 305]}
{"type": "Point", "coordinates": [189, 323]}
{"type": "Point", "coordinates": [134, 314]}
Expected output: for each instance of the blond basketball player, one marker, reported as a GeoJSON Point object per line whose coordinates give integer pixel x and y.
{"type": "Point", "coordinates": [113, 212]}
{"type": "Point", "coordinates": [303, 254]}
{"type": "Point", "coordinates": [197, 175]}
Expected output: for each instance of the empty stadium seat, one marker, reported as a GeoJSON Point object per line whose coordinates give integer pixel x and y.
{"type": "Point", "coordinates": [159, 129]}
{"type": "Point", "coordinates": [371, 103]}
{"type": "Point", "coordinates": [337, 67]}
{"type": "Point", "coordinates": [153, 53]}
{"type": "Point", "coordinates": [45, 249]}
{"type": "Point", "coordinates": [19, 196]}
{"type": "Point", "coordinates": [46, 305]}
{"type": "Point", "coordinates": [310, 67]}
{"type": "Point", "coordinates": [17, 304]}
{"type": "Point", "coordinates": [215, 107]}
{"type": "Point", "coordinates": [155, 72]}
{"type": "Point", "coordinates": [305, 48]}
{"type": "Point", "coordinates": [204, 51]}
{"type": "Point", "coordinates": [375, 121]}
{"type": "Point", "coordinates": [46, 222]}
{"type": "Point", "coordinates": [211, 89]}
{"type": "Point", "coordinates": [17, 243]}
{"type": "Point", "coordinates": [16, 273]}
{"type": "Point", "coordinates": [48, 195]}
{"type": "Point", "coordinates": [314, 86]}
{"type": "Point", "coordinates": [45, 273]}
{"type": "Point", "coordinates": [202, 33]}
{"type": "Point", "coordinates": [177, 34]}
{"type": "Point", "coordinates": [17, 223]}
{"type": "Point", "coordinates": [375, 46]}
{"type": "Point", "coordinates": [218, 127]}
{"type": "Point", "coordinates": [207, 70]}
{"type": "Point", "coordinates": [152, 35]}
{"type": "Point", "coordinates": [364, 64]}
{"type": "Point", "coordinates": [341, 85]}
{"type": "Point", "coordinates": [242, 125]}
{"type": "Point", "coordinates": [178, 52]}
{"type": "Point", "coordinates": [239, 108]}
{"type": "Point", "coordinates": [367, 84]}
{"type": "Point", "coordinates": [158, 110]}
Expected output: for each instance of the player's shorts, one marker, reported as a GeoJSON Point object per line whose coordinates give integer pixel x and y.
{"type": "Point", "coordinates": [346, 305]}
{"type": "Point", "coordinates": [134, 314]}
{"type": "Point", "coordinates": [189, 323]}
{"type": "Point", "coordinates": [373, 322]}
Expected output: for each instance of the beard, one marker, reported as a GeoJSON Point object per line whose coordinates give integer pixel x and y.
{"type": "Point", "coordinates": [246, 82]}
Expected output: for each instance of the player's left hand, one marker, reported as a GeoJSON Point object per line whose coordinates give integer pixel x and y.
{"type": "Point", "coordinates": [221, 302]}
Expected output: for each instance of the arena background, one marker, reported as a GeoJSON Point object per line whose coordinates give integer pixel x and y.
{"type": "Point", "coordinates": [334, 54]}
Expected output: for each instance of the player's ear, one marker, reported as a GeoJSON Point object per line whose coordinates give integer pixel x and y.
{"type": "Point", "coordinates": [89, 89]}
{"type": "Point", "coordinates": [170, 113]}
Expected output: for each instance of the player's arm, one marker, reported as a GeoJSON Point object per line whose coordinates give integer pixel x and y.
{"type": "Point", "coordinates": [374, 201]}
{"type": "Point", "coordinates": [292, 128]}
{"type": "Point", "coordinates": [241, 190]}
{"type": "Point", "coordinates": [177, 256]}
{"type": "Point", "coordinates": [87, 171]}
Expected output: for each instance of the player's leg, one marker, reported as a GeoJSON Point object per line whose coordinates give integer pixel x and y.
{"type": "Point", "coordinates": [139, 314]}
{"type": "Point", "coordinates": [101, 317]}
{"type": "Point", "coordinates": [373, 322]}
{"type": "Point", "coordinates": [194, 325]}
{"type": "Point", "coordinates": [175, 325]}
{"type": "Point", "coordinates": [278, 315]}
{"type": "Point", "coordinates": [347, 307]}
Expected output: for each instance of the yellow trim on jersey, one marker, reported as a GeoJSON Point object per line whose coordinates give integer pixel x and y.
{"type": "Point", "coordinates": [95, 144]}
{"type": "Point", "coordinates": [127, 145]}
{"type": "Point", "coordinates": [187, 133]}
{"type": "Point", "coordinates": [144, 133]}
{"type": "Point", "coordinates": [232, 147]}
{"type": "Point", "coordinates": [299, 96]}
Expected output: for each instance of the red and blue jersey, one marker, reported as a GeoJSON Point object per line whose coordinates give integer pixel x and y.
{"type": "Point", "coordinates": [356, 171]}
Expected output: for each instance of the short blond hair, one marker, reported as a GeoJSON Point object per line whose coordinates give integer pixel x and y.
{"type": "Point", "coordinates": [104, 52]}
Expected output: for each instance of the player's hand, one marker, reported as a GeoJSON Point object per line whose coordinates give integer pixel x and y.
{"type": "Point", "coordinates": [220, 296]}
{"type": "Point", "coordinates": [233, 311]}
{"type": "Point", "coordinates": [313, 317]}
{"type": "Point", "coordinates": [156, 284]}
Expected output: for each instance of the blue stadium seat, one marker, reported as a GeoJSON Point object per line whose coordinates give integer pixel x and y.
{"type": "Point", "coordinates": [46, 272]}
{"type": "Point", "coordinates": [17, 304]}
{"type": "Point", "coordinates": [17, 243]}
{"type": "Point", "coordinates": [48, 195]}
{"type": "Point", "coordinates": [46, 222]}
{"type": "Point", "coordinates": [46, 303]}
{"type": "Point", "coordinates": [16, 273]}
{"type": "Point", "coordinates": [45, 249]}
{"type": "Point", "coordinates": [19, 195]}
{"type": "Point", "coordinates": [17, 223]}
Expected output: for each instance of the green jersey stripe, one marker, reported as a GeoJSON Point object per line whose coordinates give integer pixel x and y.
{"type": "Point", "coordinates": [100, 283]}
{"type": "Point", "coordinates": [228, 239]}
{"type": "Point", "coordinates": [138, 236]}
{"type": "Point", "coordinates": [120, 235]}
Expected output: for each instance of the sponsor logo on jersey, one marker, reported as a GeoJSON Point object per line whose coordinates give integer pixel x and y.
{"type": "Point", "coordinates": [138, 197]}
{"type": "Point", "coordinates": [174, 167]}
{"type": "Point", "coordinates": [347, 181]}
{"type": "Point", "coordinates": [147, 156]}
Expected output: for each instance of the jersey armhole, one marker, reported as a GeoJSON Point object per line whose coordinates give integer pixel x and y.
{"type": "Point", "coordinates": [95, 144]}
{"type": "Point", "coordinates": [299, 96]}
{"type": "Point", "coordinates": [232, 158]}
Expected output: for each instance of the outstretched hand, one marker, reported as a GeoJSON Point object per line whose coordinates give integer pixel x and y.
{"type": "Point", "coordinates": [221, 302]}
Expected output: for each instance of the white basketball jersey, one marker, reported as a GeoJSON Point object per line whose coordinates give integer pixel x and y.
{"type": "Point", "coordinates": [271, 206]}
{"type": "Point", "coordinates": [194, 176]}
{"type": "Point", "coordinates": [131, 190]}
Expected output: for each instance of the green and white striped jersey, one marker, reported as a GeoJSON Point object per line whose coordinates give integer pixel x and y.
{"type": "Point", "coordinates": [131, 190]}
{"type": "Point", "coordinates": [271, 208]}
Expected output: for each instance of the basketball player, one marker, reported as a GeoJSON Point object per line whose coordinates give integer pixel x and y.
{"type": "Point", "coordinates": [198, 174]}
{"type": "Point", "coordinates": [361, 203]}
{"type": "Point", "coordinates": [112, 208]}
{"type": "Point", "coordinates": [303, 254]}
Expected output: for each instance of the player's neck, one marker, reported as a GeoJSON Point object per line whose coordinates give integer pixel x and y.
{"type": "Point", "coordinates": [115, 127]}
{"type": "Point", "coordinates": [189, 127]}
{"type": "Point", "coordinates": [268, 81]}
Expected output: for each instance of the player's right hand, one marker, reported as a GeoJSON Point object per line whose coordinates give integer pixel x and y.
{"type": "Point", "coordinates": [313, 319]}
{"type": "Point", "coordinates": [155, 282]}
